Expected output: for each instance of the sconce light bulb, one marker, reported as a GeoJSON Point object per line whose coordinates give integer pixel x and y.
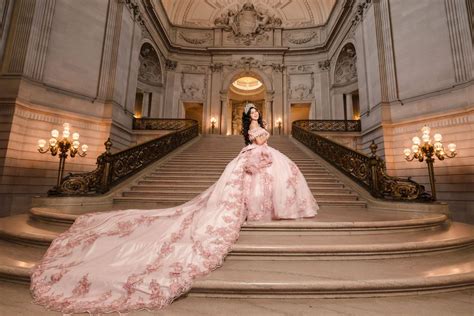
{"type": "Point", "coordinates": [84, 147]}
{"type": "Point", "coordinates": [426, 130]}
{"type": "Point", "coordinates": [66, 133]}
{"type": "Point", "coordinates": [416, 140]}
{"type": "Point", "coordinates": [75, 136]}
{"type": "Point", "coordinates": [41, 143]}
{"type": "Point", "coordinates": [75, 144]}
{"type": "Point", "coordinates": [53, 141]}
{"type": "Point", "coordinates": [438, 146]}
{"type": "Point", "coordinates": [437, 137]}
{"type": "Point", "coordinates": [425, 138]}
{"type": "Point", "coordinates": [407, 152]}
{"type": "Point", "coordinates": [414, 148]}
{"type": "Point", "coordinates": [452, 147]}
{"type": "Point", "coordinates": [55, 133]}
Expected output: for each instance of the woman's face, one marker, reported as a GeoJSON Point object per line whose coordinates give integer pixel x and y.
{"type": "Point", "coordinates": [254, 114]}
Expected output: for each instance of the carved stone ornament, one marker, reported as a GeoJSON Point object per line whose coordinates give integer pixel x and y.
{"type": "Point", "coordinates": [216, 67]}
{"type": "Point", "coordinates": [193, 87]}
{"type": "Point", "coordinates": [300, 39]}
{"type": "Point", "coordinates": [171, 64]}
{"type": "Point", "coordinates": [301, 86]}
{"type": "Point", "coordinates": [359, 14]}
{"type": "Point", "coordinates": [324, 65]}
{"type": "Point", "coordinates": [247, 23]}
{"type": "Point", "coordinates": [346, 69]}
{"type": "Point", "coordinates": [193, 39]}
{"type": "Point", "coordinates": [149, 71]}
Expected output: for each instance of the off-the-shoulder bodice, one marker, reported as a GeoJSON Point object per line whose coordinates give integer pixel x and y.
{"type": "Point", "coordinates": [256, 132]}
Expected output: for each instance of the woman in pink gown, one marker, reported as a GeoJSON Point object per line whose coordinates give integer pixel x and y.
{"type": "Point", "coordinates": [144, 259]}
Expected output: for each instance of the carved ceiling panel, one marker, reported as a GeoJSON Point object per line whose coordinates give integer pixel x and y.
{"type": "Point", "coordinates": [292, 13]}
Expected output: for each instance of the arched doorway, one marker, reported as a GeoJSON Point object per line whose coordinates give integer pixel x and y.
{"type": "Point", "coordinates": [246, 87]}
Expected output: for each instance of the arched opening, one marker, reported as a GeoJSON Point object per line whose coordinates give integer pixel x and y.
{"type": "Point", "coordinates": [246, 87]}
{"type": "Point", "coordinates": [345, 88]}
{"type": "Point", "coordinates": [148, 101]}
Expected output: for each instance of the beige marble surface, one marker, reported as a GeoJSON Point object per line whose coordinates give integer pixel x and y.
{"type": "Point", "coordinates": [16, 300]}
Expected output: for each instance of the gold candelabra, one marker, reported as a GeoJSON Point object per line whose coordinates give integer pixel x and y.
{"type": "Point", "coordinates": [63, 146]}
{"type": "Point", "coordinates": [279, 126]}
{"type": "Point", "coordinates": [213, 124]}
{"type": "Point", "coordinates": [423, 149]}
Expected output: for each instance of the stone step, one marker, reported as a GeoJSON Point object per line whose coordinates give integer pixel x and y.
{"type": "Point", "coordinates": [328, 221]}
{"type": "Point", "coordinates": [200, 166]}
{"type": "Point", "coordinates": [338, 188]}
{"type": "Point", "coordinates": [17, 260]}
{"type": "Point", "coordinates": [339, 278]}
{"type": "Point", "coordinates": [255, 246]}
{"type": "Point", "coordinates": [189, 194]}
{"type": "Point", "coordinates": [175, 201]}
{"type": "Point", "coordinates": [209, 177]}
{"type": "Point", "coordinates": [218, 172]}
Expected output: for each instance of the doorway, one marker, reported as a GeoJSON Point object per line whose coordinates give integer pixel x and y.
{"type": "Point", "coordinates": [299, 111]}
{"type": "Point", "coordinates": [194, 111]}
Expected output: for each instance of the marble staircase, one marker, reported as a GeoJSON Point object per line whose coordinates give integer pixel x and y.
{"type": "Point", "coordinates": [349, 249]}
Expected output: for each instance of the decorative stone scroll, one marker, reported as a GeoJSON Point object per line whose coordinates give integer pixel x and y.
{"type": "Point", "coordinates": [247, 23]}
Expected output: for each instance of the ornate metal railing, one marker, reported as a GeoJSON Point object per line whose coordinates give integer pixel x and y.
{"type": "Point", "coordinates": [367, 171]}
{"type": "Point", "coordinates": [329, 125]}
{"type": "Point", "coordinates": [146, 123]}
{"type": "Point", "coordinates": [114, 168]}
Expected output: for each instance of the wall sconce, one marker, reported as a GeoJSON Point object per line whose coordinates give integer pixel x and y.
{"type": "Point", "coordinates": [428, 151]}
{"type": "Point", "coordinates": [62, 145]}
{"type": "Point", "coordinates": [279, 125]}
{"type": "Point", "coordinates": [213, 124]}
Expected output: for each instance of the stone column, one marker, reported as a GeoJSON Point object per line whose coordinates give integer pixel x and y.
{"type": "Point", "coordinates": [170, 88]}
{"type": "Point", "coordinates": [349, 106]}
{"type": "Point", "coordinates": [145, 104]}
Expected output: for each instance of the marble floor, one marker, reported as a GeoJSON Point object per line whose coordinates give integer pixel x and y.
{"type": "Point", "coordinates": [15, 300]}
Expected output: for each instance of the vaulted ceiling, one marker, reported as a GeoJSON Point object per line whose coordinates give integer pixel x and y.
{"type": "Point", "coordinates": [293, 13]}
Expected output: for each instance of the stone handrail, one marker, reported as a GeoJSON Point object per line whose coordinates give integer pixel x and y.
{"type": "Point", "coordinates": [114, 168]}
{"type": "Point", "coordinates": [367, 171]}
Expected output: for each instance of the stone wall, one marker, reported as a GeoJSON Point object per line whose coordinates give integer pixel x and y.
{"type": "Point", "coordinates": [63, 62]}
{"type": "Point", "coordinates": [415, 67]}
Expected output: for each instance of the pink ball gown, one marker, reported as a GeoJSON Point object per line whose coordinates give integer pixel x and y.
{"type": "Point", "coordinates": [143, 259]}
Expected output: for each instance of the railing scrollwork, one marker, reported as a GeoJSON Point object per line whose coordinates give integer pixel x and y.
{"type": "Point", "coordinates": [114, 168]}
{"type": "Point", "coordinates": [367, 171]}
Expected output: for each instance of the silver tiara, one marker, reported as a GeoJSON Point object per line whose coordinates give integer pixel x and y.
{"type": "Point", "coordinates": [248, 106]}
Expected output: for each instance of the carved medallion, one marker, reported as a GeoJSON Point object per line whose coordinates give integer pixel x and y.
{"type": "Point", "coordinates": [247, 24]}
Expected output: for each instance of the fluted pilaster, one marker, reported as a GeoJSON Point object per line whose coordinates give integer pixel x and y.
{"type": "Point", "coordinates": [460, 38]}
{"type": "Point", "coordinates": [39, 38]}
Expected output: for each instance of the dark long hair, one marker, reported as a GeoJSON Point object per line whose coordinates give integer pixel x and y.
{"type": "Point", "coordinates": [246, 120]}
